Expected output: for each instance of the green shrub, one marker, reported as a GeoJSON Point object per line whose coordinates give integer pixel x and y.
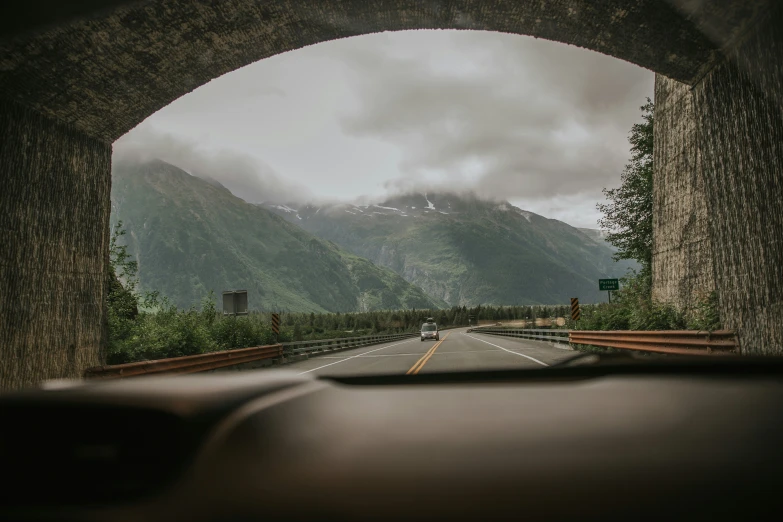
{"type": "Point", "coordinates": [165, 333]}
{"type": "Point", "coordinates": [632, 309]}
{"type": "Point", "coordinates": [705, 315]}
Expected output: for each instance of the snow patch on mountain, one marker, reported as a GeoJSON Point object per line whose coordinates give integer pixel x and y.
{"type": "Point", "coordinates": [388, 208]}
{"type": "Point", "coordinates": [284, 208]}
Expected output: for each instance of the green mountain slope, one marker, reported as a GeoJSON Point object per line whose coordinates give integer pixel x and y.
{"type": "Point", "coordinates": [468, 251]}
{"type": "Point", "coordinates": [191, 236]}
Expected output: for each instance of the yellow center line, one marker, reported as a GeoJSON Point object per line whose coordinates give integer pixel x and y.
{"type": "Point", "coordinates": [424, 358]}
{"type": "Point", "coordinates": [420, 360]}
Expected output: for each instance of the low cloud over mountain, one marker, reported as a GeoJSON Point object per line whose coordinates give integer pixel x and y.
{"type": "Point", "coordinates": [243, 175]}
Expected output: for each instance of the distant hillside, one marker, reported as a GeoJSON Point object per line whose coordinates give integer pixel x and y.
{"type": "Point", "coordinates": [599, 236]}
{"type": "Point", "coordinates": [191, 236]}
{"type": "Point", "coordinates": [595, 234]}
{"type": "Point", "coordinates": [466, 250]}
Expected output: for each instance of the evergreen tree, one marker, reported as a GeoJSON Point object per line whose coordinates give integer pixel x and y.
{"type": "Point", "coordinates": [628, 214]}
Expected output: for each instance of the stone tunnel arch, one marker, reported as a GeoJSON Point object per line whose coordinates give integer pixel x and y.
{"type": "Point", "coordinates": [73, 79]}
{"type": "Point", "coordinates": [107, 72]}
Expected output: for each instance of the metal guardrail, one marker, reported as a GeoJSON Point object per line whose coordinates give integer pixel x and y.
{"type": "Point", "coordinates": [537, 334]}
{"type": "Point", "coordinates": [215, 360]}
{"type": "Point", "coordinates": [680, 342]}
{"type": "Point", "coordinates": [341, 343]}
{"type": "Point", "coordinates": [685, 342]}
{"type": "Point", "coordinates": [186, 364]}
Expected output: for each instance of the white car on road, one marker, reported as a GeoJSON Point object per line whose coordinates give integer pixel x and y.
{"type": "Point", "coordinates": [429, 330]}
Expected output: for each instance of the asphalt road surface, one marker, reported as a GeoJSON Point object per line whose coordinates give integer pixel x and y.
{"type": "Point", "coordinates": [456, 351]}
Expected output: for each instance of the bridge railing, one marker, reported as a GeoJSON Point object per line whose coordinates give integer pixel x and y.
{"type": "Point", "coordinates": [344, 343]}
{"type": "Point", "coordinates": [679, 342]}
{"type": "Point", "coordinates": [187, 364]}
{"type": "Point", "coordinates": [216, 360]}
{"type": "Point", "coordinates": [537, 334]}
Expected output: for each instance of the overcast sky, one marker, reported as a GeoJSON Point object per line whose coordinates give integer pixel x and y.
{"type": "Point", "coordinates": [541, 124]}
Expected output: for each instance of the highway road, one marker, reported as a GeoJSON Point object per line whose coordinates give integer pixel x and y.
{"type": "Point", "coordinates": [456, 351]}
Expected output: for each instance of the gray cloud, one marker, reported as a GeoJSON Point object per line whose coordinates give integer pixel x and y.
{"type": "Point", "coordinates": [243, 175]}
{"type": "Point", "coordinates": [539, 123]}
{"type": "Point", "coordinates": [531, 117]}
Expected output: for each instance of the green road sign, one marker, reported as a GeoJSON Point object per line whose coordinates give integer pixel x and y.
{"type": "Point", "coordinates": [608, 284]}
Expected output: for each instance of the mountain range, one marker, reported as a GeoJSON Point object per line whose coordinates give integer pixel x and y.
{"type": "Point", "coordinates": [191, 236]}
{"type": "Point", "coordinates": [466, 250]}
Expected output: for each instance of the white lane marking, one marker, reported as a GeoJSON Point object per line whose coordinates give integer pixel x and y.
{"type": "Point", "coordinates": [406, 354]}
{"type": "Point", "coordinates": [509, 351]}
{"type": "Point", "coordinates": [355, 356]}
{"type": "Point", "coordinates": [552, 344]}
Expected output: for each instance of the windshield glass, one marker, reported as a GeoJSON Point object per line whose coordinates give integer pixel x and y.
{"type": "Point", "coordinates": [345, 193]}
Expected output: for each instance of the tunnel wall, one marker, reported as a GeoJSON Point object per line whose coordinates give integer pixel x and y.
{"type": "Point", "coordinates": [54, 233]}
{"type": "Point", "coordinates": [740, 117]}
{"type": "Point", "coordinates": [106, 73]}
{"type": "Point", "coordinates": [682, 265]}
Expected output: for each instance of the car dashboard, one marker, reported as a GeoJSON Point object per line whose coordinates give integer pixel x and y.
{"type": "Point", "coordinates": [689, 440]}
